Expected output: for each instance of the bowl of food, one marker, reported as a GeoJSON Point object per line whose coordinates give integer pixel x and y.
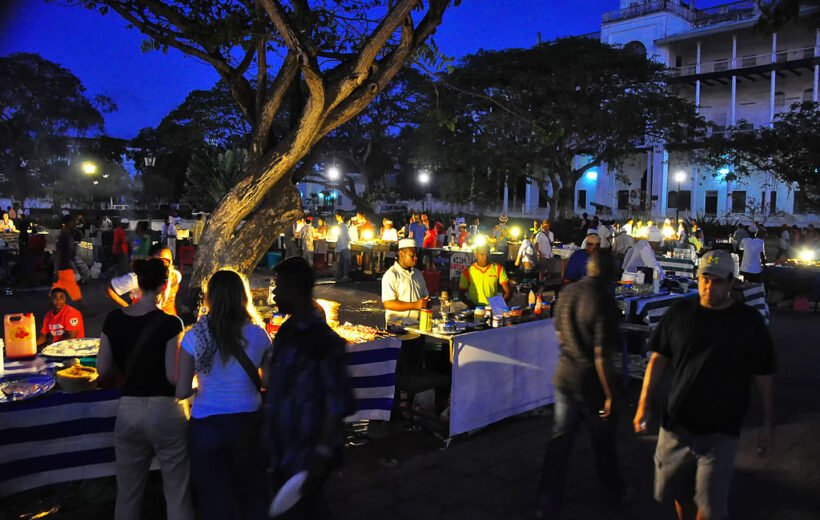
{"type": "Point", "coordinates": [76, 377]}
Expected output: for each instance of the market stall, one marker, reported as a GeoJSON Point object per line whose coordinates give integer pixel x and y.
{"type": "Point", "coordinates": [48, 436]}
{"type": "Point", "coordinates": [497, 372]}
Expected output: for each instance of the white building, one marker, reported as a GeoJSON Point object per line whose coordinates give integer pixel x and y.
{"type": "Point", "coordinates": [734, 75]}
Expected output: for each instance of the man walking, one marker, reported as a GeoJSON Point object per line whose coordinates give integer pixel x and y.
{"type": "Point", "coordinates": [343, 258]}
{"type": "Point", "coordinates": [308, 392]}
{"type": "Point", "coordinates": [715, 347]}
{"type": "Point", "coordinates": [586, 322]}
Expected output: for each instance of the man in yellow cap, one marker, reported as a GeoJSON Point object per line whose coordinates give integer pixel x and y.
{"type": "Point", "coordinates": [483, 279]}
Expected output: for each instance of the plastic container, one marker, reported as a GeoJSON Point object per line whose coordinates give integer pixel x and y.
{"type": "Point", "coordinates": [273, 258]}
{"type": "Point", "coordinates": [21, 335]}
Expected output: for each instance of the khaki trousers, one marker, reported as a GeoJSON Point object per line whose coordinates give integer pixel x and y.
{"type": "Point", "coordinates": [149, 427]}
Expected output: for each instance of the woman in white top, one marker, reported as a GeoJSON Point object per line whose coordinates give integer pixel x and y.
{"type": "Point", "coordinates": [169, 235]}
{"type": "Point", "coordinates": [526, 256]}
{"type": "Point", "coordinates": [225, 349]}
{"type": "Point", "coordinates": [754, 256]}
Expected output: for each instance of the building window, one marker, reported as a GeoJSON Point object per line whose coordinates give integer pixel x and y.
{"type": "Point", "coordinates": [711, 202]}
{"type": "Point", "coordinates": [801, 204]}
{"type": "Point", "coordinates": [721, 65]}
{"type": "Point", "coordinates": [582, 199]}
{"type": "Point", "coordinates": [779, 99]}
{"type": "Point", "coordinates": [808, 94]}
{"type": "Point", "coordinates": [623, 199]}
{"type": "Point", "coordinates": [672, 199]}
{"type": "Point", "coordinates": [738, 202]}
{"type": "Point", "coordinates": [773, 202]}
{"type": "Point", "coordinates": [749, 61]}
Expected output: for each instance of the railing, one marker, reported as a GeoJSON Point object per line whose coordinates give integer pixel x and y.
{"type": "Point", "coordinates": [743, 62]}
{"type": "Point", "coordinates": [655, 6]}
{"type": "Point", "coordinates": [735, 11]}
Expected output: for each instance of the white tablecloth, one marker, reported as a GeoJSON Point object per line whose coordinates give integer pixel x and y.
{"type": "Point", "coordinates": [498, 373]}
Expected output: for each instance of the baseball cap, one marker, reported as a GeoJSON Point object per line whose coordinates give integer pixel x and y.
{"type": "Point", "coordinates": [717, 263]}
{"type": "Point", "coordinates": [407, 242]}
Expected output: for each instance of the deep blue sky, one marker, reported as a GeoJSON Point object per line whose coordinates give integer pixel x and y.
{"type": "Point", "coordinates": [106, 55]}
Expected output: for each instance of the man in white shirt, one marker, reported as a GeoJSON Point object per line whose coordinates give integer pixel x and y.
{"type": "Point", "coordinates": [404, 292]}
{"type": "Point", "coordinates": [543, 246]}
{"type": "Point", "coordinates": [343, 260]}
{"type": "Point", "coordinates": [623, 242]}
{"type": "Point", "coordinates": [128, 283]}
{"type": "Point", "coordinates": [784, 243]}
{"type": "Point", "coordinates": [654, 233]}
{"type": "Point", "coordinates": [754, 255]}
{"type": "Point", "coordinates": [605, 234]}
{"type": "Point", "coordinates": [642, 255]}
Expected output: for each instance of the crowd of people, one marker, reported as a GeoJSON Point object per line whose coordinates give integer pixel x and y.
{"type": "Point", "coordinates": [237, 447]}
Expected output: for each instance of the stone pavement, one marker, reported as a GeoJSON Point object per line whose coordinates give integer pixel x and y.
{"type": "Point", "coordinates": [494, 472]}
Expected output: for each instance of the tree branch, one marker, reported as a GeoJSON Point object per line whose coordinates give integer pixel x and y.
{"type": "Point", "coordinates": [284, 78]}
{"type": "Point", "coordinates": [388, 67]}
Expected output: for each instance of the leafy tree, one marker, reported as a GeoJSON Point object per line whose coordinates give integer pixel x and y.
{"type": "Point", "coordinates": [369, 144]}
{"type": "Point", "coordinates": [788, 150]}
{"type": "Point", "coordinates": [553, 111]}
{"type": "Point", "coordinates": [42, 106]}
{"type": "Point", "coordinates": [338, 56]}
{"type": "Point", "coordinates": [212, 174]}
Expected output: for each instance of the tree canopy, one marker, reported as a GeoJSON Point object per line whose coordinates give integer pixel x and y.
{"type": "Point", "coordinates": [789, 150]}
{"type": "Point", "coordinates": [550, 113]}
{"type": "Point", "coordinates": [42, 106]}
{"type": "Point", "coordinates": [325, 60]}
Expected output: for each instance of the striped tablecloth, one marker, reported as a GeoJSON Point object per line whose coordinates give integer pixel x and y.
{"type": "Point", "coordinates": [678, 266]}
{"type": "Point", "coordinates": [63, 437]}
{"type": "Point", "coordinates": [57, 438]}
{"type": "Point", "coordinates": [372, 367]}
{"type": "Point", "coordinates": [754, 295]}
{"type": "Point", "coordinates": [650, 309]}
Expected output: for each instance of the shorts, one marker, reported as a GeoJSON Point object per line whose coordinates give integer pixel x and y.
{"type": "Point", "coordinates": [695, 466]}
{"type": "Point", "coordinates": [67, 280]}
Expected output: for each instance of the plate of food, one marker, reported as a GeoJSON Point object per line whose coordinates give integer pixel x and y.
{"type": "Point", "coordinates": [69, 348]}
{"type": "Point", "coordinates": [20, 389]}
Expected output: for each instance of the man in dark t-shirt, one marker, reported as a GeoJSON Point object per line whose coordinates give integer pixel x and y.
{"type": "Point", "coordinates": [586, 322]}
{"type": "Point", "coordinates": [715, 348]}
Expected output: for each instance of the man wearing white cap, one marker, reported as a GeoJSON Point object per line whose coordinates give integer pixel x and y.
{"type": "Point", "coordinates": [404, 292]}
{"type": "Point", "coordinates": [715, 347]}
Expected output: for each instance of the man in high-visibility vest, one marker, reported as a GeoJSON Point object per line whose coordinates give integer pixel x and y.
{"type": "Point", "coordinates": [483, 279]}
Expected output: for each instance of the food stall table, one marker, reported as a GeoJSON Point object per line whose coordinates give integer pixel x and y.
{"type": "Point", "coordinates": [498, 373]}
{"type": "Point", "coordinates": [57, 438]}
{"type": "Point", "coordinates": [678, 266]}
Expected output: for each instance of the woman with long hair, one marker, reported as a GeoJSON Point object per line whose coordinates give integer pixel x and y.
{"type": "Point", "coordinates": [140, 343]}
{"type": "Point", "coordinates": [225, 350]}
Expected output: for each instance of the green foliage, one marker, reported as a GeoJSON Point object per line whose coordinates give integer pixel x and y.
{"type": "Point", "coordinates": [212, 174]}
{"type": "Point", "coordinates": [42, 106]}
{"type": "Point", "coordinates": [531, 112]}
{"type": "Point", "coordinates": [788, 149]}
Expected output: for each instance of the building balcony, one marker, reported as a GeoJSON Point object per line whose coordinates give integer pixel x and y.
{"type": "Point", "coordinates": [731, 12]}
{"type": "Point", "coordinates": [679, 8]}
{"type": "Point", "coordinates": [719, 70]}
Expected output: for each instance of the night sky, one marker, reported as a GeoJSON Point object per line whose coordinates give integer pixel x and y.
{"type": "Point", "coordinates": [106, 56]}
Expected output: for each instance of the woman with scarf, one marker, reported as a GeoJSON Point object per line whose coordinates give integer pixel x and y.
{"type": "Point", "coordinates": [225, 350]}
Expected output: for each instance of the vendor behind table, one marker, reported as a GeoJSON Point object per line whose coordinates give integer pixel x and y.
{"type": "Point", "coordinates": [404, 292]}
{"type": "Point", "coordinates": [483, 279]}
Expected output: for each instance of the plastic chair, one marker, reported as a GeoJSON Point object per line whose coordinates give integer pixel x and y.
{"type": "Point", "coordinates": [186, 257]}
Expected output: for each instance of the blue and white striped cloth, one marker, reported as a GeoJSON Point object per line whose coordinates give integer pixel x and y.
{"type": "Point", "coordinates": [64, 437]}
{"type": "Point", "coordinates": [754, 295]}
{"type": "Point", "coordinates": [372, 368]}
{"type": "Point", "coordinates": [57, 438]}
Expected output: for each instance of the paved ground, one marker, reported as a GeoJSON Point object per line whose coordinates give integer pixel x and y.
{"type": "Point", "coordinates": [493, 473]}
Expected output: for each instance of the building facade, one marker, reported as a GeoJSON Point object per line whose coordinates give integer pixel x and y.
{"type": "Point", "coordinates": [736, 76]}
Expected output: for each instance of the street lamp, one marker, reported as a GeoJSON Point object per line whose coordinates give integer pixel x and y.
{"type": "Point", "coordinates": [89, 168]}
{"type": "Point", "coordinates": [424, 177]}
{"type": "Point", "coordinates": [680, 177]}
{"type": "Point", "coordinates": [333, 173]}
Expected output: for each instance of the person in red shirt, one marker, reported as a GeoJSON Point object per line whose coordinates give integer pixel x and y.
{"type": "Point", "coordinates": [62, 322]}
{"type": "Point", "coordinates": [120, 247]}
